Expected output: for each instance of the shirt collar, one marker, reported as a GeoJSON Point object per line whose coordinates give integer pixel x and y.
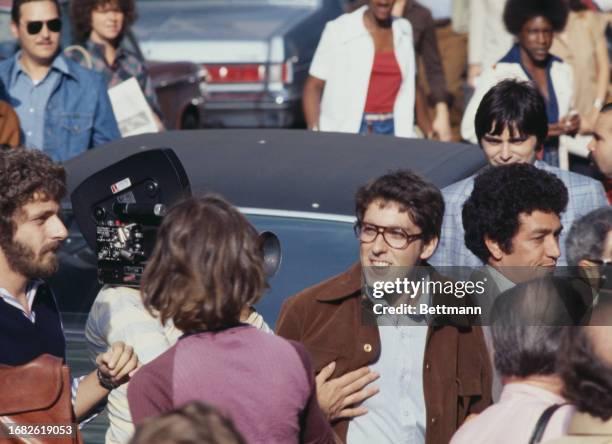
{"type": "Point", "coordinates": [514, 56]}
{"type": "Point", "coordinates": [356, 27]}
{"type": "Point", "coordinates": [97, 50]}
{"type": "Point", "coordinates": [59, 64]}
{"type": "Point", "coordinates": [514, 389]}
{"type": "Point", "coordinates": [502, 282]}
{"type": "Point", "coordinates": [31, 291]}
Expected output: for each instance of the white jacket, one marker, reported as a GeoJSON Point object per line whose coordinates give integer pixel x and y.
{"type": "Point", "coordinates": [344, 60]}
{"type": "Point", "coordinates": [562, 79]}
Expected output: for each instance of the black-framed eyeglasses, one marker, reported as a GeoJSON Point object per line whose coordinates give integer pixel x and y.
{"type": "Point", "coordinates": [395, 237]}
{"type": "Point", "coordinates": [35, 26]}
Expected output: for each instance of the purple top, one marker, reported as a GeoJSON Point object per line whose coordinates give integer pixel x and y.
{"type": "Point", "coordinates": [264, 383]}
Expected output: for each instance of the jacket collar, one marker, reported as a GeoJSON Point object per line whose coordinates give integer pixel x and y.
{"type": "Point", "coordinates": [585, 424]}
{"type": "Point", "coordinates": [349, 284]}
{"type": "Point", "coordinates": [354, 27]}
{"type": "Point", "coordinates": [60, 64]}
{"type": "Point", "coordinates": [343, 285]}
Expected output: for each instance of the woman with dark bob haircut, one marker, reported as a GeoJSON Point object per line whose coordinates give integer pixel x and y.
{"type": "Point", "coordinates": [99, 28]}
{"type": "Point", "coordinates": [205, 270]}
{"type": "Point", "coordinates": [533, 24]}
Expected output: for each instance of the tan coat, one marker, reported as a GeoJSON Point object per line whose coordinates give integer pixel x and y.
{"type": "Point", "coordinates": [328, 319]}
{"type": "Point", "coordinates": [9, 125]}
{"type": "Point", "coordinates": [586, 429]}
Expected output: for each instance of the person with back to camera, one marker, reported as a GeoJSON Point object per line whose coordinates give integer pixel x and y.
{"type": "Point", "coordinates": [527, 324]}
{"type": "Point", "coordinates": [205, 269]}
{"type": "Point", "coordinates": [362, 76]}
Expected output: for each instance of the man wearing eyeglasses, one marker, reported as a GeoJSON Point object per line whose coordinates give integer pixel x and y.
{"type": "Point", "coordinates": [63, 108]}
{"type": "Point", "coordinates": [428, 378]}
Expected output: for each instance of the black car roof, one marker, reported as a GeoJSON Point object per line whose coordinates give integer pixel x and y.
{"type": "Point", "coordinates": [288, 169]}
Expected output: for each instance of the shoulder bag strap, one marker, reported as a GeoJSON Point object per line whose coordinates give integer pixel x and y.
{"type": "Point", "coordinates": [540, 427]}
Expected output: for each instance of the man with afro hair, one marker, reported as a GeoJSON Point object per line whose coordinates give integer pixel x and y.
{"type": "Point", "coordinates": [533, 23]}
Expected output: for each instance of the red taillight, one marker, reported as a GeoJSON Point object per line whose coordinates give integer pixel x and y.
{"type": "Point", "coordinates": [236, 73]}
{"type": "Point", "coordinates": [250, 73]}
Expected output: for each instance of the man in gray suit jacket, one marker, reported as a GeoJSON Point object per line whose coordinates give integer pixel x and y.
{"type": "Point", "coordinates": [511, 125]}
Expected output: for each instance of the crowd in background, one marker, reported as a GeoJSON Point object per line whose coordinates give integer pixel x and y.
{"type": "Point", "coordinates": [185, 358]}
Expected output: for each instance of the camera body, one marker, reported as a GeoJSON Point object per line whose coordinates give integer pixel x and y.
{"type": "Point", "coordinates": [119, 209]}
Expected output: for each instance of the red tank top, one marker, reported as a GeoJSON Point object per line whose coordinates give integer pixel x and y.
{"type": "Point", "coordinates": [385, 82]}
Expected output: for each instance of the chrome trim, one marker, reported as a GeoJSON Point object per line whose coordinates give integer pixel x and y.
{"type": "Point", "coordinates": [298, 214]}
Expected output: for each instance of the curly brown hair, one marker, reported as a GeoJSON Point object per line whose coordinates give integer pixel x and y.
{"type": "Point", "coordinates": [80, 13]}
{"type": "Point", "coordinates": [205, 268]}
{"type": "Point", "coordinates": [26, 175]}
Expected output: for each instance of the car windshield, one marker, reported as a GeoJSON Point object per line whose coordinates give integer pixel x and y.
{"type": "Point", "coordinates": [313, 250]}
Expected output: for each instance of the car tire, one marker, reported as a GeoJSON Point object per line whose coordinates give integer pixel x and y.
{"type": "Point", "coordinates": [190, 119]}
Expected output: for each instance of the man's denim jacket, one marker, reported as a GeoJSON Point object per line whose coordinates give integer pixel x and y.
{"type": "Point", "coordinates": [78, 114]}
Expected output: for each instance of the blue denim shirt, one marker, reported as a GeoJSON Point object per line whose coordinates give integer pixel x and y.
{"type": "Point", "coordinates": [78, 114]}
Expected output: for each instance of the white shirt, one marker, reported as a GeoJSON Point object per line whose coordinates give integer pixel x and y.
{"type": "Point", "coordinates": [344, 59]}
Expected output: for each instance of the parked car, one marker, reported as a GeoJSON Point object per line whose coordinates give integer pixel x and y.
{"type": "Point", "coordinates": [180, 85]}
{"type": "Point", "coordinates": [257, 52]}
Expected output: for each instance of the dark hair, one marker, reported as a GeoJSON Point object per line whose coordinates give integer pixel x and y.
{"type": "Point", "coordinates": [527, 322]}
{"type": "Point", "coordinates": [422, 200]}
{"type": "Point", "coordinates": [206, 266]}
{"type": "Point", "coordinates": [26, 175]}
{"type": "Point", "coordinates": [587, 236]}
{"type": "Point", "coordinates": [193, 423]}
{"type": "Point", "coordinates": [587, 377]}
{"type": "Point", "coordinates": [577, 5]}
{"type": "Point", "coordinates": [513, 104]}
{"type": "Point", "coordinates": [519, 12]}
{"type": "Point", "coordinates": [499, 196]}
{"type": "Point", "coordinates": [80, 12]}
{"type": "Point", "coordinates": [16, 8]}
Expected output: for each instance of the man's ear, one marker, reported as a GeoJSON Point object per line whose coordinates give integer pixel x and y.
{"type": "Point", "coordinates": [494, 248]}
{"type": "Point", "coordinates": [14, 30]}
{"type": "Point", "coordinates": [428, 249]}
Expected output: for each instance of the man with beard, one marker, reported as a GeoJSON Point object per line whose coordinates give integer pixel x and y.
{"type": "Point", "coordinates": [31, 232]}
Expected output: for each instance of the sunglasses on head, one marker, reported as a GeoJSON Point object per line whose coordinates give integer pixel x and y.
{"type": "Point", "coordinates": [53, 25]}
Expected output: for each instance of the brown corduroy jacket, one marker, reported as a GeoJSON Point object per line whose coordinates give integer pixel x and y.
{"type": "Point", "coordinates": [9, 125]}
{"type": "Point", "coordinates": [328, 319]}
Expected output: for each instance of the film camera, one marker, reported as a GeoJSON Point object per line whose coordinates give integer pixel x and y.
{"type": "Point", "coordinates": [119, 209]}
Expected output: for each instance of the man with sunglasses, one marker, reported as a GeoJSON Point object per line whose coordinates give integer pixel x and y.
{"type": "Point", "coordinates": [428, 378]}
{"type": "Point", "coordinates": [63, 108]}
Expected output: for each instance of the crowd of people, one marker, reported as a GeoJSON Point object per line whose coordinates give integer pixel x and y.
{"type": "Point", "coordinates": [185, 358]}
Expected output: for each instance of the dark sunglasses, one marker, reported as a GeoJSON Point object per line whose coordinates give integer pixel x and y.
{"type": "Point", "coordinates": [53, 25]}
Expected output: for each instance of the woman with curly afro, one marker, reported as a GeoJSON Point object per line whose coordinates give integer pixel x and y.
{"type": "Point", "coordinates": [99, 26]}
{"type": "Point", "coordinates": [533, 24]}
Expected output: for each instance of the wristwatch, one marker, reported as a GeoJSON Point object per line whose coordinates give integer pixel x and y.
{"type": "Point", "coordinates": [106, 382]}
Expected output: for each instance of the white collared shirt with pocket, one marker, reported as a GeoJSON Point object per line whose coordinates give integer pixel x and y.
{"type": "Point", "coordinates": [344, 60]}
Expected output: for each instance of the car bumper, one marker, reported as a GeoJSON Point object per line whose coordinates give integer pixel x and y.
{"type": "Point", "coordinates": [262, 110]}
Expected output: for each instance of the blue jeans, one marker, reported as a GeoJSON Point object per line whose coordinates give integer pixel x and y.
{"type": "Point", "coordinates": [377, 127]}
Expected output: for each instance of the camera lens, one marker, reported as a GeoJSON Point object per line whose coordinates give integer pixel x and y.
{"type": "Point", "coordinates": [151, 188]}
{"type": "Point", "coordinates": [99, 214]}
